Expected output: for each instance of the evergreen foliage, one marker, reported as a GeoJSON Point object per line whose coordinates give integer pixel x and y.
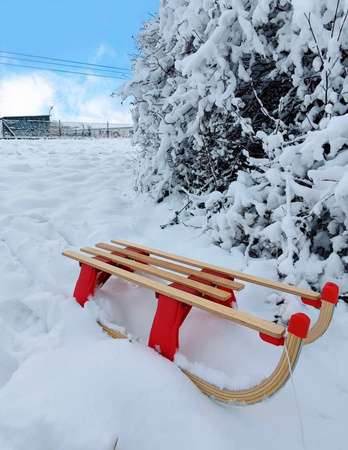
{"type": "Point", "coordinates": [242, 105]}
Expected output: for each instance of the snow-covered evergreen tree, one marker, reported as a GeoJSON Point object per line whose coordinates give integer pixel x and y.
{"type": "Point", "coordinates": [243, 105]}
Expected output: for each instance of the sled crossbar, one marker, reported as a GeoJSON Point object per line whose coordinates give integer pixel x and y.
{"type": "Point", "coordinates": [207, 287]}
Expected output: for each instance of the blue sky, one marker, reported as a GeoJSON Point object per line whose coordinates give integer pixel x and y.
{"type": "Point", "coordinates": [93, 31]}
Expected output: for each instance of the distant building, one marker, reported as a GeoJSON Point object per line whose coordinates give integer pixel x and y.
{"type": "Point", "coordinates": [25, 126]}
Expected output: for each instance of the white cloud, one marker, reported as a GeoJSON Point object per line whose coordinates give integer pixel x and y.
{"type": "Point", "coordinates": [74, 98]}
{"type": "Point", "coordinates": [102, 108]}
{"type": "Point", "coordinates": [25, 95]}
{"type": "Point", "coordinates": [102, 50]}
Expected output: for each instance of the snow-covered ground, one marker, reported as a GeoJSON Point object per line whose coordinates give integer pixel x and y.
{"type": "Point", "coordinates": [66, 385]}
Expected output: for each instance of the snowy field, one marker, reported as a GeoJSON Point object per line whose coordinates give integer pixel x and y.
{"type": "Point", "coordinates": [66, 385]}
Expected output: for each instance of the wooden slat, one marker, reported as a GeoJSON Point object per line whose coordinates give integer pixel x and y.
{"type": "Point", "coordinates": [306, 293]}
{"type": "Point", "coordinates": [200, 287]}
{"type": "Point", "coordinates": [242, 318]}
{"type": "Point", "coordinates": [174, 267]}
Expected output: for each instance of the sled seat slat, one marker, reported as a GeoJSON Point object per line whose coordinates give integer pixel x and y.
{"type": "Point", "coordinates": [176, 267]}
{"type": "Point", "coordinates": [242, 318]}
{"type": "Point", "coordinates": [282, 287]}
{"type": "Point", "coordinates": [169, 276]}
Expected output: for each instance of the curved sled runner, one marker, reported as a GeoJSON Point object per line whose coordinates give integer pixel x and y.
{"type": "Point", "coordinates": [292, 348]}
{"type": "Point", "coordinates": [207, 287]}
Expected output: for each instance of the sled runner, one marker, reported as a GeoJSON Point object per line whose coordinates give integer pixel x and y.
{"type": "Point", "coordinates": [210, 288]}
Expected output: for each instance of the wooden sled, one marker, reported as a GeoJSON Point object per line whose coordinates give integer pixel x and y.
{"type": "Point", "coordinates": [210, 288]}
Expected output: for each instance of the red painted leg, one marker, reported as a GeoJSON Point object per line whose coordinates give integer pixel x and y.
{"type": "Point", "coordinates": [170, 314]}
{"type": "Point", "coordinates": [89, 279]}
{"type": "Point", "coordinates": [85, 285]}
{"type": "Point", "coordinates": [232, 302]}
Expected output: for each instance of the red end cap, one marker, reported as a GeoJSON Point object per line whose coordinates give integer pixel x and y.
{"type": "Point", "coordinates": [315, 303]}
{"type": "Point", "coordinates": [330, 293]}
{"type": "Point", "coordinates": [272, 340]}
{"type": "Point", "coordinates": [299, 325]}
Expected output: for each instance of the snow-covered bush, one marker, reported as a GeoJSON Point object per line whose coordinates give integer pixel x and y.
{"type": "Point", "coordinates": [243, 106]}
{"type": "Point", "coordinates": [295, 214]}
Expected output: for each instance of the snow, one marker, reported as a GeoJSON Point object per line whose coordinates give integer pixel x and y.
{"type": "Point", "coordinates": [65, 384]}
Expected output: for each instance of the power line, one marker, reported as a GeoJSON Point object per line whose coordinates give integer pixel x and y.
{"type": "Point", "coordinates": [63, 71]}
{"type": "Point", "coordinates": [58, 64]}
{"type": "Point", "coordinates": [66, 60]}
